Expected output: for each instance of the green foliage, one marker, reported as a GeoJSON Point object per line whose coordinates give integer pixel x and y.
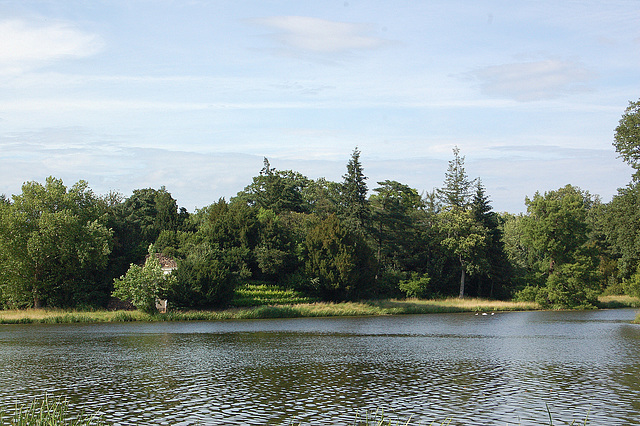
{"type": "Point", "coordinates": [465, 239]}
{"type": "Point", "coordinates": [143, 285]}
{"type": "Point", "coordinates": [495, 274]}
{"type": "Point", "coordinates": [207, 277]}
{"type": "Point", "coordinates": [631, 286]}
{"type": "Point", "coordinates": [265, 294]}
{"type": "Point", "coordinates": [621, 225]}
{"type": "Point", "coordinates": [456, 192]}
{"type": "Point", "coordinates": [556, 225]}
{"type": "Point", "coordinates": [53, 245]}
{"type": "Point", "coordinates": [396, 225]}
{"type": "Point", "coordinates": [322, 197]}
{"type": "Point", "coordinates": [354, 206]}
{"type": "Point", "coordinates": [276, 190]}
{"type": "Point", "coordinates": [416, 286]}
{"type": "Point", "coordinates": [338, 259]}
{"type": "Point", "coordinates": [574, 285]}
{"type": "Point", "coordinates": [627, 137]}
{"type": "Point", "coordinates": [558, 230]}
{"type": "Point", "coordinates": [527, 294]}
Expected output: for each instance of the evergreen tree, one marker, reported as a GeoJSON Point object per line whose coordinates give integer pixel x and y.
{"type": "Point", "coordinates": [354, 207]}
{"type": "Point", "coordinates": [464, 236]}
{"type": "Point", "coordinates": [495, 271]}
{"type": "Point", "coordinates": [457, 190]}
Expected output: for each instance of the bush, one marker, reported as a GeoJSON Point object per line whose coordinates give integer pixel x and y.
{"type": "Point", "coordinates": [143, 285]}
{"type": "Point", "coordinates": [205, 279]}
{"type": "Point", "coordinates": [416, 286]}
{"type": "Point", "coordinates": [527, 294]}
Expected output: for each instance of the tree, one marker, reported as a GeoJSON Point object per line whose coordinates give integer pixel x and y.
{"type": "Point", "coordinates": [207, 277]}
{"type": "Point", "coordinates": [495, 271]}
{"type": "Point", "coordinates": [277, 190]}
{"type": "Point", "coordinates": [137, 222]}
{"type": "Point", "coordinates": [456, 192]}
{"type": "Point", "coordinates": [143, 285]}
{"type": "Point", "coordinates": [354, 207]}
{"type": "Point", "coordinates": [627, 137]}
{"type": "Point", "coordinates": [464, 238]}
{"type": "Point", "coordinates": [53, 245]}
{"type": "Point", "coordinates": [556, 225]}
{"type": "Point", "coordinates": [338, 260]}
{"type": "Point", "coordinates": [621, 224]}
{"type": "Point", "coordinates": [557, 228]}
{"type": "Point", "coordinates": [395, 208]}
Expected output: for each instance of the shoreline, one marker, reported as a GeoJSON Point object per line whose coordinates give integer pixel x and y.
{"type": "Point", "coordinates": [306, 310]}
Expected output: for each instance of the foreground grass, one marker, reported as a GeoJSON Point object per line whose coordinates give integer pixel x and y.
{"type": "Point", "coordinates": [47, 412]}
{"type": "Point", "coordinates": [379, 307]}
{"type": "Point", "coordinates": [55, 412]}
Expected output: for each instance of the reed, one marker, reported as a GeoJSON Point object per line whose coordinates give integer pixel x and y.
{"type": "Point", "coordinates": [618, 301]}
{"type": "Point", "coordinates": [47, 412]}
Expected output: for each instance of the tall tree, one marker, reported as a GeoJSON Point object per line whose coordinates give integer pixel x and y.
{"type": "Point", "coordinates": [395, 216]}
{"type": "Point", "coordinates": [557, 228]}
{"type": "Point", "coordinates": [621, 223]}
{"type": "Point", "coordinates": [338, 261]}
{"type": "Point", "coordinates": [53, 245]}
{"type": "Point", "coordinates": [627, 137]}
{"type": "Point", "coordinates": [464, 237]}
{"type": "Point", "coordinates": [354, 207]}
{"type": "Point", "coordinates": [277, 190]}
{"type": "Point", "coordinates": [457, 190]}
{"type": "Point", "coordinates": [495, 271]}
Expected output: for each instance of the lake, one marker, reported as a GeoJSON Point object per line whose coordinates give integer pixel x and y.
{"type": "Point", "coordinates": [478, 370]}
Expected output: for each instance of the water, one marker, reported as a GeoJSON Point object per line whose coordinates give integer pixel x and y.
{"type": "Point", "coordinates": [478, 370]}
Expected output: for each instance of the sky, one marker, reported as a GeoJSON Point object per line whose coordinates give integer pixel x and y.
{"type": "Point", "coordinates": [193, 95]}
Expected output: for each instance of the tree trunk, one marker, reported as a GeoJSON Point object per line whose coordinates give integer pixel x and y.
{"type": "Point", "coordinates": [37, 302]}
{"type": "Point", "coordinates": [462, 276]}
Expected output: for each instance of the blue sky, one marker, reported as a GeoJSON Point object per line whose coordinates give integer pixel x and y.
{"type": "Point", "coordinates": [193, 94]}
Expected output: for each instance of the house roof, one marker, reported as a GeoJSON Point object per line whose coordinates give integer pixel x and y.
{"type": "Point", "coordinates": [165, 261]}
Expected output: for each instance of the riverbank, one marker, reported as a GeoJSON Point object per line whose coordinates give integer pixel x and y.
{"type": "Point", "coordinates": [319, 309]}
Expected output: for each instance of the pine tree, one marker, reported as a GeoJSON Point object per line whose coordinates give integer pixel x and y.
{"type": "Point", "coordinates": [456, 193]}
{"type": "Point", "coordinates": [354, 206]}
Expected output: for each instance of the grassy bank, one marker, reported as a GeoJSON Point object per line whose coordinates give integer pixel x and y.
{"type": "Point", "coordinates": [297, 310]}
{"type": "Point", "coordinates": [318, 309]}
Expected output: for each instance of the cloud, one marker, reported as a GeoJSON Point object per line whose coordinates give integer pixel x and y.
{"type": "Point", "coordinates": [28, 44]}
{"type": "Point", "coordinates": [321, 36]}
{"type": "Point", "coordinates": [533, 81]}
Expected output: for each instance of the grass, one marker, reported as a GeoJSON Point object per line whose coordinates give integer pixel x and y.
{"type": "Point", "coordinates": [298, 310]}
{"type": "Point", "coordinates": [618, 301]}
{"type": "Point", "coordinates": [55, 412]}
{"type": "Point", "coordinates": [47, 412]}
{"type": "Point", "coordinates": [263, 294]}
{"type": "Point", "coordinates": [264, 301]}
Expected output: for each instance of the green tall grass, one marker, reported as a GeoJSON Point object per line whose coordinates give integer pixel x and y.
{"type": "Point", "coordinates": [249, 295]}
{"type": "Point", "coordinates": [47, 412]}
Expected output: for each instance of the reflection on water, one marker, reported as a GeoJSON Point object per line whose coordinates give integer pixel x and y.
{"type": "Point", "coordinates": [499, 369]}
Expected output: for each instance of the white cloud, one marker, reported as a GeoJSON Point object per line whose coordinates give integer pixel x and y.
{"type": "Point", "coordinates": [320, 35]}
{"type": "Point", "coordinates": [23, 43]}
{"type": "Point", "coordinates": [532, 81]}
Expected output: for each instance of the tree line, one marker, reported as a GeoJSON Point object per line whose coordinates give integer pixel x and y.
{"type": "Point", "coordinates": [68, 247]}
